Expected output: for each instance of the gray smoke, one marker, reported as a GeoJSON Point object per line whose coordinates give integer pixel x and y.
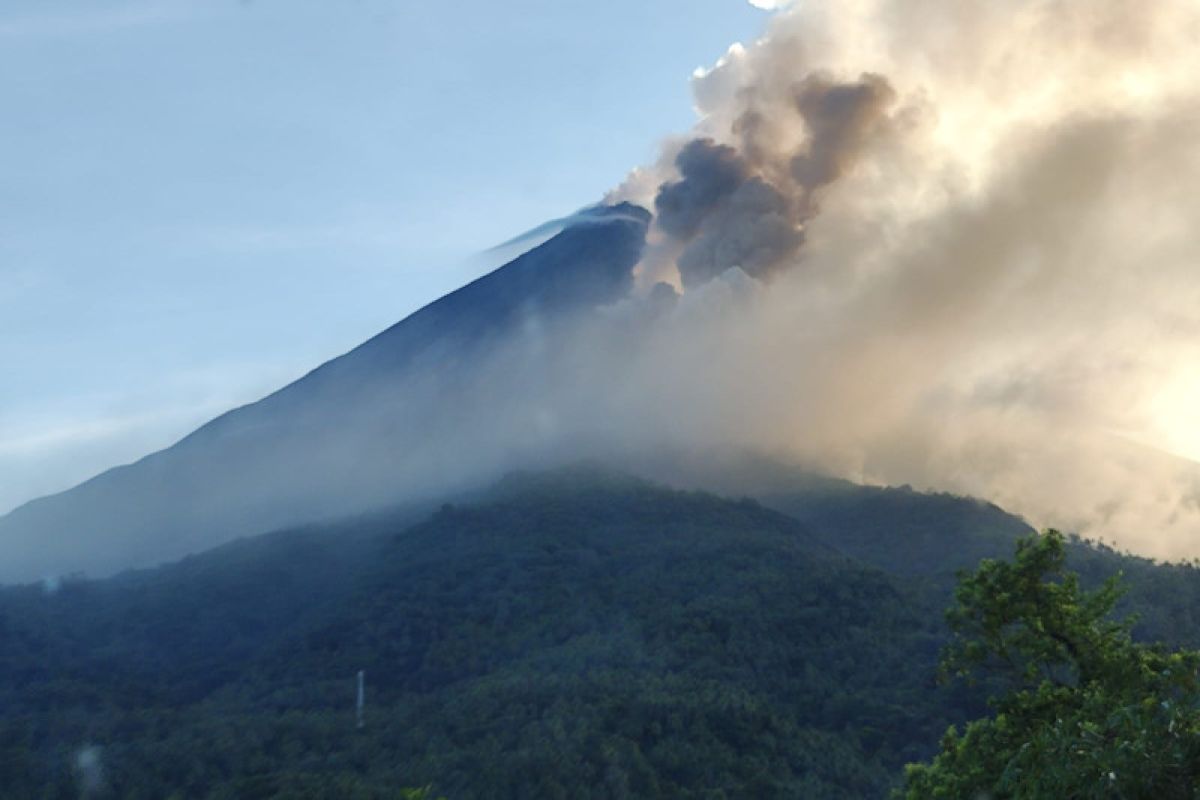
{"type": "Point", "coordinates": [745, 206]}
{"type": "Point", "coordinates": [710, 174]}
{"type": "Point", "coordinates": [945, 244]}
{"type": "Point", "coordinates": [841, 119]}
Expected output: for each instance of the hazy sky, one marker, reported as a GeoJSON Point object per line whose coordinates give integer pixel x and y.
{"type": "Point", "coordinates": [203, 199]}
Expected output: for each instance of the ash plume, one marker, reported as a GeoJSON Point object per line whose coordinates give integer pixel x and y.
{"type": "Point", "coordinates": [745, 206]}
{"type": "Point", "coordinates": [951, 245]}
{"type": "Point", "coordinates": [840, 119]}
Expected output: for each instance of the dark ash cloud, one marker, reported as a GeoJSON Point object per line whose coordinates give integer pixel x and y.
{"type": "Point", "coordinates": [745, 206]}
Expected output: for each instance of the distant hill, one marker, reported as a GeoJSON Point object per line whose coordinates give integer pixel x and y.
{"type": "Point", "coordinates": [575, 633]}
{"type": "Point", "coordinates": [902, 531]}
{"type": "Point", "coordinates": [927, 539]}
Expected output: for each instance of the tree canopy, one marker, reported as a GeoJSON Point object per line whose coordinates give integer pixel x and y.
{"type": "Point", "coordinates": [1082, 710]}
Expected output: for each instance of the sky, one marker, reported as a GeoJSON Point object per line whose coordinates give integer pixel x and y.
{"type": "Point", "coordinates": [203, 200]}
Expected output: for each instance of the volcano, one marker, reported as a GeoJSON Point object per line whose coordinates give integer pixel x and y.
{"type": "Point", "coordinates": [365, 429]}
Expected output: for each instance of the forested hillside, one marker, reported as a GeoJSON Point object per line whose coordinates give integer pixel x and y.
{"type": "Point", "coordinates": [928, 539]}
{"type": "Point", "coordinates": [570, 634]}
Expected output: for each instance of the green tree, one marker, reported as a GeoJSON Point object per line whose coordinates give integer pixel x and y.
{"type": "Point", "coordinates": [1081, 710]}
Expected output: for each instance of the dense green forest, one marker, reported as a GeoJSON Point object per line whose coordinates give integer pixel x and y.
{"type": "Point", "coordinates": [570, 634]}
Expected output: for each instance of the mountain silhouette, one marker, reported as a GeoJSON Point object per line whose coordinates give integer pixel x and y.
{"type": "Point", "coordinates": [334, 441]}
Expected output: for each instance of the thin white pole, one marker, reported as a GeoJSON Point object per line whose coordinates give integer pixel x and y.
{"type": "Point", "coordinates": [361, 698]}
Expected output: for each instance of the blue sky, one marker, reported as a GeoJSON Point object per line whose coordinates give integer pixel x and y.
{"type": "Point", "coordinates": [202, 199]}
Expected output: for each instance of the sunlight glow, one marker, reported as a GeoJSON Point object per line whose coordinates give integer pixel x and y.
{"type": "Point", "coordinates": [1175, 411]}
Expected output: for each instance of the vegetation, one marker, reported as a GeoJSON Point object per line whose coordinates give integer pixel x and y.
{"type": "Point", "coordinates": [1087, 713]}
{"type": "Point", "coordinates": [573, 634]}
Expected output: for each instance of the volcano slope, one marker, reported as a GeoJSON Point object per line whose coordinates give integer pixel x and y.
{"type": "Point", "coordinates": [402, 416]}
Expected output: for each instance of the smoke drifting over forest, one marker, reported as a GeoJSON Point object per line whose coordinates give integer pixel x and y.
{"type": "Point", "coordinates": [966, 251]}
{"type": "Point", "coordinates": [946, 244]}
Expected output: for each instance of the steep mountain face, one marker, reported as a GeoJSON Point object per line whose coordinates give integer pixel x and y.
{"type": "Point", "coordinates": [365, 428]}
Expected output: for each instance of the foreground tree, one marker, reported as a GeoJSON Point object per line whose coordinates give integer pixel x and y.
{"type": "Point", "coordinates": [1080, 711]}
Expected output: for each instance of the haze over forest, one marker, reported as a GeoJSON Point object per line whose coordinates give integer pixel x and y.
{"type": "Point", "coordinates": [944, 247]}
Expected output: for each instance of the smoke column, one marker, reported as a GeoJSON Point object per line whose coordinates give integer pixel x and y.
{"type": "Point", "coordinates": [946, 244]}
